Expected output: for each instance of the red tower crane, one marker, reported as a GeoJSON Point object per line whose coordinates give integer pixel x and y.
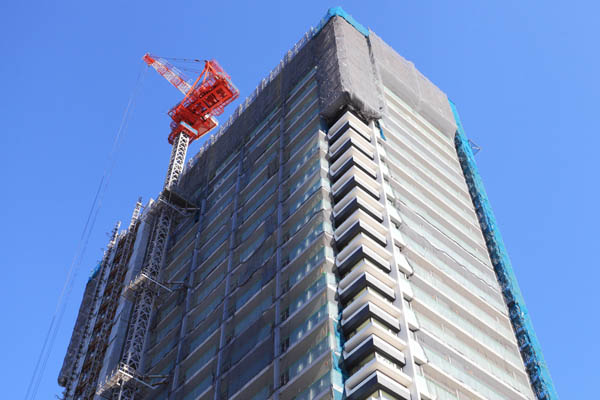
{"type": "Point", "coordinates": [204, 99]}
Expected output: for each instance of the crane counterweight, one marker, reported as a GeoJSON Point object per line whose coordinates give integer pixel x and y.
{"type": "Point", "coordinates": [204, 99]}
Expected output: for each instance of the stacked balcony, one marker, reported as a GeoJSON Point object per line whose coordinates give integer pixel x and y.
{"type": "Point", "coordinates": [373, 354]}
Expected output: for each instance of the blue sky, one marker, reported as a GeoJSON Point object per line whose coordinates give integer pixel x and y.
{"type": "Point", "coordinates": [524, 76]}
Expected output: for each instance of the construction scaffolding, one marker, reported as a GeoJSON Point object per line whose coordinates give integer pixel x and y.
{"type": "Point", "coordinates": [145, 287]}
{"type": "Point", "coordinates": [530, 349]}
{"type": "Point", "coordinates": [97, 318]}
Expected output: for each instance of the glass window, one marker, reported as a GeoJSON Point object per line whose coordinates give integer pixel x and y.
{"type": "Point", "coordinates": [262, 130]}
{"type": "Point", "coordinates": [257, 202]}
{"type": "Point", "coordinates": [200, 362]}
{"type": "Point", "coordinates": [199, 388]}
{"type": "Point", "coordinates": [259, 220]}
{"type": "Point", "coordinates": [246, 294]}
{"type": "Point", "coordinates": [295, 251]}
{"type": "Point", "coordinates": [224, 164]}
{"type": "Point", "coordinates": [209, 286]}
{"type": "Point", "coordinates": [214, 244]}
{"type": "Point", "coordinates": [305, 113]}
{"type": "Point", "coordinates": [164, 330]}
{"type": "Point", "coordinates": [179, 247]}
{"type": "Point", "coordinates": [203, 334]}
{"type": "Point", "coordinates": [458, 370]}
{"type": "Point", "coordinates": [297, 142]}
{"type": "Point", "coordinates": [222, 204]}
{"type": "Point", "coordinates": [262, 394]}
{"type": "Point", "coordinates": [258, 168]}
{"type": "Point", "coordinates": [302, 96]}
{"type": "Point", "coordinates": [306, 359]}
{"type": "Point", "coordinates": [207, 268]}
{"type": "Point", "coordinates": [165, 309]}
{"type": "Point", "coordinates": [301, 83]}
{"type": "Point", "coordinates": [251, 247]}
{"type": "Point", "coordinates": [314, 259]}
{"type": "Point", "coordinates": [319, 204]}
{"type": "Point", "coordinates": [244, 373]}
{"type": "Point", "coordinates": [368, 321]}
{"type": "Point", "coordinates": [311, 123]}
{"type": "Point", "coordinates": [308, 154]}
{"type": "Point", "coordinates": [383, 395]}
{"type": "Point", "coordinates": [210, 231]}
{"type": "Point", "coordinates": [162, 351]}
{"type": "Point", "coordinates": [252, 316]}
{"type": "Point", "coordinates": [313, 320]}
{"type": "Point", "coordinates": [209, 308]}
{"type": "Point", "coordinates": [308, 294]}
{"type": "Point", "coordinates": [315, 389]}
{"type": "Point", "coordinates": [315, 185]}
{"type": "Point", "coordinates": [299, 181]}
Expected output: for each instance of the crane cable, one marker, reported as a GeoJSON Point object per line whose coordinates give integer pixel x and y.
{"type": "Point", "coordinates": [61, 304]}
{"type": "Point", "coordinates": [185, 60]}
{"type": "Point", "coordinates": [195, 67]}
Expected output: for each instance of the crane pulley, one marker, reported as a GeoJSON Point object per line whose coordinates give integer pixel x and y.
{"type": "Point", "coordinates": [205, 97]}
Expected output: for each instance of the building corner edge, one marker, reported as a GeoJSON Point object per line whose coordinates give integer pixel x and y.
{"type": "Point", "coordinates": [531, 352]}
{"type": "Point", "coordinates": [340, 12]}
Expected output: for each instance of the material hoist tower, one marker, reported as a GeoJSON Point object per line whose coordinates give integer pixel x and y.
{"type": "Point", "coordinates": [96, 302]}
{"type": "Point", "coordinates": [193, 117]}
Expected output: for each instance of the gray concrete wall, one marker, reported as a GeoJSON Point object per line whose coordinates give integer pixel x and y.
{"type": "Point", "coordinates": [351, 71]}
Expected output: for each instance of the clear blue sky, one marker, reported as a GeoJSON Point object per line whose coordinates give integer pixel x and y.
{"type": "Point", "coordinates": [524, 75]}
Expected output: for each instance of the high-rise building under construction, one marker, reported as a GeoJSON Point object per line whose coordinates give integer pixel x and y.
{"type": "Point", "coordinates": [332, 240]}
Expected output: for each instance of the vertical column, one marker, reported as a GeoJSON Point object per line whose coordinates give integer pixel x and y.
{"type": "Point", "coordinates": [234, 223]}
{"type": "Point", "coordinates": [401, 272]}
{"type": "Point", "coordinates": [188, 299]}
{"type": "Point", "coordinates": [278, 291]}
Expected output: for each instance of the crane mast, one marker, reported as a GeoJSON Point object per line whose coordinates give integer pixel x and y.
{"type": "Point", "coordinates": [192, 117]}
